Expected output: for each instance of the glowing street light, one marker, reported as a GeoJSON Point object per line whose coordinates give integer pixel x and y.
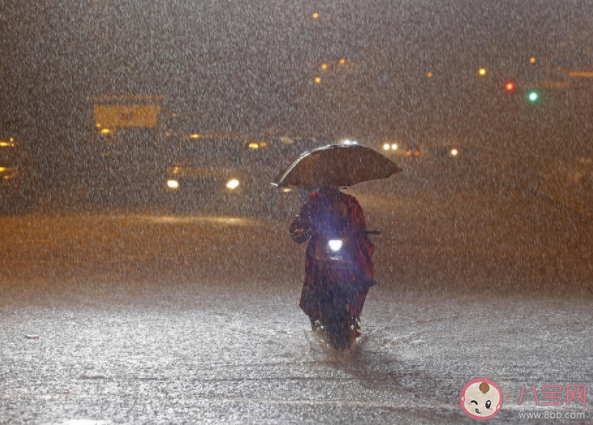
{"type": "Point", "coordinates": [324, 66]}
{"type": "Point", "coordinates": [532, 60]}
{"type": "Point", "coordinates": [317, 80]}
{"type": "Point", "coordinates": [232, 184]}
{"type": "Point", "coordinates": [342, 61]}
{"type": "Point", "coordinates": [482, 72]}
{"type": "Point", "coordinates": [429, 75]}
{"type": "Point", "coordinates": [315, 15]}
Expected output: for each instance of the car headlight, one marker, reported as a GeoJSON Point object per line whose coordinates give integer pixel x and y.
{"type": "Point", "coordinates": [172, 184]}
{"type": "Point", "coordinates": [454, 152]}
{"type": "Point", "coordinates": [232, 184]}
{"type": "Point", "coordinates": [335, 244]}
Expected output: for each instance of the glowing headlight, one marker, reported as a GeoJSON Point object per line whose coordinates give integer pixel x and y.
{"type": "Point", "coordinates": [286, 190]}
{"type": "Point", "coordinates": [335, 244]}
{"type": "Point", "coordinates": [172, 184]}
{"type": "Point", "coordinates": [394, 146]}
{"type": "Point", "coordinates": [454, 152]}
{"type": "Point", "coordinates": [386, 147]}
{"type": "Point", "coordinates": [232, 184]}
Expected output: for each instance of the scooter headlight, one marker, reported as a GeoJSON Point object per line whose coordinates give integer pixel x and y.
{"type": "Point", "coordinates": [335, 245]}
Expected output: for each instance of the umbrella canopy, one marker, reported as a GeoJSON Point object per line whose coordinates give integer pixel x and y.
{"type": "Point", "coordinates": [335, 165]}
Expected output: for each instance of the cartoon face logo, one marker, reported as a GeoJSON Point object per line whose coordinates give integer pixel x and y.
{"type": "Point", "coordinates": [481, 399]}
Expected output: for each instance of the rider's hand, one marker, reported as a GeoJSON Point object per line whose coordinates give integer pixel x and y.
{"type": "Point", "coordinates": [300, 235]}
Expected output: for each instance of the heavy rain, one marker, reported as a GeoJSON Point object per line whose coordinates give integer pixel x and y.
{"type": "Point", "coordinates": [432, 160]}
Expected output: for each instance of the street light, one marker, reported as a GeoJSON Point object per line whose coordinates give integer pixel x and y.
{"type": "Point", "coordinates": [315, 15]}
{"type": "Point", "coordinates": [342, 61]}
{"type": "Point", "coordinates": [482, 72]}
{"type": "Point", "coordinates": [324, 66]}
{"type": "Point", "coordinates": [317, 80]}
{"type": "Point", "coordinates": [532, 60]}
{"type": "Point", "coordinates": [429, 75]}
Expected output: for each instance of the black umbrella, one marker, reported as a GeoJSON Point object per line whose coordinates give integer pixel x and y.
{"type": "Point", "coordinates": [335, 165]}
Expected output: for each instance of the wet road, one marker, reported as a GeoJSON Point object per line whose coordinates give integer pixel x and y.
{"type": "Point", "coordinates": [146, 317]}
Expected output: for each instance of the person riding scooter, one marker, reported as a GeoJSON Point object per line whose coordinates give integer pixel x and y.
{"type": "Point", "coordinates": [330, 216]}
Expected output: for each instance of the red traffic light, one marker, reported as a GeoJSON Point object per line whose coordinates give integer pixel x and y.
{"type": "Point", "coordinates": [510, 86]}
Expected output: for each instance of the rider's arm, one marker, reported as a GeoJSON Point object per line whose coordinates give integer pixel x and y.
{"type": "Point", "coordinates": [297, 233]}
{"type": "Point", "coordinates": [300, 228]}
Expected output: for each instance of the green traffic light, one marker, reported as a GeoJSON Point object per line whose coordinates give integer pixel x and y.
{"type": "Point", "coordinates": [533, 96]}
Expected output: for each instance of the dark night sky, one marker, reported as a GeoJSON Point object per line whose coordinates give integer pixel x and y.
{"type": "Point", "coordinates": [252, 63]}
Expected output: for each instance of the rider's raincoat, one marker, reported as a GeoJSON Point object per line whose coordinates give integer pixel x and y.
{"type": "Point", "coordinates": [329, 212]}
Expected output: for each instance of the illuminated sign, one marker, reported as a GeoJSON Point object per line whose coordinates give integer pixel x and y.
{"type": "Point", "coordinates": [126, 116]}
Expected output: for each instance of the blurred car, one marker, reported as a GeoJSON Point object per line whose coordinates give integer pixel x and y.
{"type": "Point", "coordinates": [446, 151]}
{"type": "Point", "coordinates": [402, 150]}
{"type": "Point", "coordinates": [206, 169]}
{"type": "Point", "coordinates": [16, 178]}
{"type": "Point", "coordinates": [233, 174]}
{"type": "Point", "coordinates": [454, 151]}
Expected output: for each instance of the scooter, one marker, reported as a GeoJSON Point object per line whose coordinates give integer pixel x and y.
{"type": "Point", "coordinates": [342, 281]}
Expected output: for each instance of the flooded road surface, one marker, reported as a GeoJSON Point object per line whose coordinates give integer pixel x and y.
{"type": "Point", "coordinates": [246, 356]}
{"type": "Point", "coordinates": [147, 317]}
